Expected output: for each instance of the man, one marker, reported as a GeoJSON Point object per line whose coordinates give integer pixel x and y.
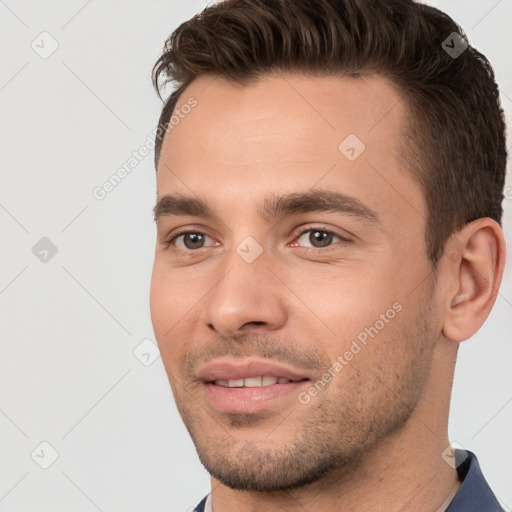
{"type": "Point", "coordinates": [330, 176]}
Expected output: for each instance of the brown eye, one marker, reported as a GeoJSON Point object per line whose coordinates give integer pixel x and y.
{"type": "Point", "coordinates": [189, 240]}
{"type": "Point", "coordinates": [193, 240]}
{"type": "Point", "coordinates": [318, 238]}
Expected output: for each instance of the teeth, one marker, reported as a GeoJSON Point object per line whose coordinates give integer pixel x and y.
{"type": "Point", "coordinates": [252, 382]}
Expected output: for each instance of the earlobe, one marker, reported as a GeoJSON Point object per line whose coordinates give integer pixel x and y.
{"type": "Point", "coordinates": [476, 275]}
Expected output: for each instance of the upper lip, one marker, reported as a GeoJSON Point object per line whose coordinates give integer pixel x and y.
{"type": "Point", "coordinates": [229, 369]}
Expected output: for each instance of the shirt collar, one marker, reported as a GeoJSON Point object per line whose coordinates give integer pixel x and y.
{"type": "Point", "coordinates": [474, 494]}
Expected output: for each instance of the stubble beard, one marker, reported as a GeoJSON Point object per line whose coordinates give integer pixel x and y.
{"type": "Point", "coordinates": [330, 435]}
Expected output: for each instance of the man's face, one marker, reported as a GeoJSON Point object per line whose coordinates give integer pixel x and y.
{"type": "Point", "coordinates": [286, 288]}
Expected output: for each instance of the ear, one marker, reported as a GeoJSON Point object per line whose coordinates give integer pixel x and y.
{"type": "Point", "coordinates": [473, 268]}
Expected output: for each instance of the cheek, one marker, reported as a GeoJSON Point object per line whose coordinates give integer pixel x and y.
{"type": "Point", "coordinates": [166, 307]}
{"type": "Point", "coordinates": [158, 300]}
{"type": "Point", "coordinates": [344, 301]}
{"type": "Point", "coordinates": [170, 296]}
{"type": "Point", "coordinates": [374, 361]}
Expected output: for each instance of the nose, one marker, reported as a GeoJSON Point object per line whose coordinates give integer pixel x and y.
{"type": "Point", "coordinates": [248, 297]}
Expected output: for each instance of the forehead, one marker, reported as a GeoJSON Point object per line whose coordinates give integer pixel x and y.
{"type": "Point", "coordinates": [287, 133]}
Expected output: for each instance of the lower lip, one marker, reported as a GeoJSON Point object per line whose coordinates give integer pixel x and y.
{"type": "Point", "coordinates": [250, 400]}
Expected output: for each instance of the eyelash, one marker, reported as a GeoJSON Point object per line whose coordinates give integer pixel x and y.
{"type": "Point", "coordinates": [296, 235]}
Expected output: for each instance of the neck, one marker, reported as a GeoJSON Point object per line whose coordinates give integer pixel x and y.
{"type": "Point", "coordinates": [404, 472]}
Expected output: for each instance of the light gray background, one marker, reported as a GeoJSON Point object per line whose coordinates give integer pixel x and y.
{"type": "Point", "coordinates": [68, 374]}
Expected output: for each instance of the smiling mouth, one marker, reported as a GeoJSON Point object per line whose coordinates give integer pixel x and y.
{"type": "Point", "coordinates": [254, 382]}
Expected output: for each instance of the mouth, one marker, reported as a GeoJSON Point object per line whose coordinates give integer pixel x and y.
{"type": "Point", "coordinates": [254, 382]}
{"type": "Point", "coordinates": [251, 386]}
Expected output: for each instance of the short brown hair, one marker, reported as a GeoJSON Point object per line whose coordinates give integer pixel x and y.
{"type": "Point", "coordinates": [455, 142]}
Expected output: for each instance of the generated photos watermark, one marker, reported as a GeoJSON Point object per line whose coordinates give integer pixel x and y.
{"type": "Point", "coordinates": [100, 192]}
{"type": "Point", "coordinates": [357, 345]}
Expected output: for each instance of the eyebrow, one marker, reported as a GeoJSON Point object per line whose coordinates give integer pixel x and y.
{"type": "Point", "coordinates": [273, 206]}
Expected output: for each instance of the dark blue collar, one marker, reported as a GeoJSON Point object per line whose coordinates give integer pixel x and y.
{"type": "Point", "coordinates": [474, 494]}
{"type": "Point", "coordinates": [200, 507]}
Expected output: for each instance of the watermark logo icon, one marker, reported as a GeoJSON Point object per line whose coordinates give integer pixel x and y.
{"type": "Point", "coordinates": [454, 454]}
{"type": "Point", "coordinates": [454, 45]}
{"type": "Point", "coordinates": [44, 455]}
{"type": "Point", "coordinates": [351, 147]}
{"type": "Point", "coordinates": [45, 45]}
{"type": "Point", "coordinates": [146, 352]}
{"type": "Point", "coordinates": [249, 250]}
{"type": "Point", "coordinates": [44, 250]}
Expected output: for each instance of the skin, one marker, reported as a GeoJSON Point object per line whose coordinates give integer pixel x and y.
{"type": "Point", "coordinates": [373, 438]}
